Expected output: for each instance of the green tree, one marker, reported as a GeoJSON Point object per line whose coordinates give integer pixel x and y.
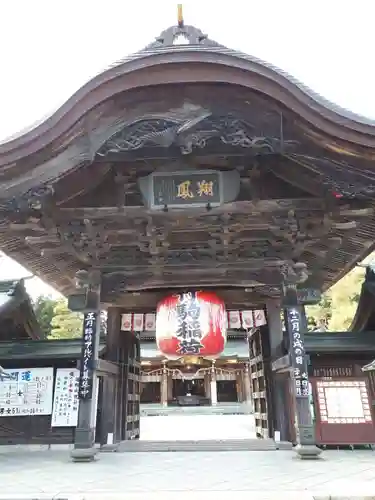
{"type": "Point", "coordinates": [319, 315]}
{"type": "Point", "coordinates": [345, 294]}
{"type": "Point", "coordinates": [65, 323]}
{"type": "Point", "coordinates": [43, 308]}
{"type": "Point", "coordinates": [337, 308]}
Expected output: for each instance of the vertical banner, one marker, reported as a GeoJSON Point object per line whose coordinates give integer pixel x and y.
{"type": "Point", "coordinates": [138, 322]}
{"type": "Point", "coordinates": [260, 317]}
{"type": "Point", "coordinates": [234, 319]}
{"type": "Point", "coordinates": [126, 322]}
{"type": "Point", "coordinates": [293, 320]}
{"type": "Point", "coordinates": [65, 400]}
{"type": "Point", "coordinates": [247, 319]}
{"type": "Point", "coordinates": [150, 322]}
{"type": "Point", "coordinates": [86, 373]}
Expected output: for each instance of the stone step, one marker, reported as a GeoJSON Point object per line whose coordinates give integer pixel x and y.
{"type": "Point", "coordinates": [202, 445]}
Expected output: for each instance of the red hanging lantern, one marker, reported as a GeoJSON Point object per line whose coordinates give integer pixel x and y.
{"type": "Point", "coordinates": [191, 324]}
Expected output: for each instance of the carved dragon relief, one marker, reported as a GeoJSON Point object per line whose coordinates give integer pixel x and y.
{"type": "Point", "coordinates": [193, 132]}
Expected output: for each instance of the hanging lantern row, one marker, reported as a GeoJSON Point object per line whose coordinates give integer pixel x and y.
{"type": "Point", "coordinates": [235, 320]}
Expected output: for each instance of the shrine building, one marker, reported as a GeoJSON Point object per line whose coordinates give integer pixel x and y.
{"type": "Point", "coordinates": [194, 182]}
{"type": "Point", "coordinates": [166, 381]}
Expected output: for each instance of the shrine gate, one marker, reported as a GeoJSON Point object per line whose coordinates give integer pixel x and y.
{"type": "Point", "coordinates": [186, 167]}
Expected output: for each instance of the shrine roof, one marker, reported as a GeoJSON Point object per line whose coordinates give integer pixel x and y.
{"type": "Point", "coordinates": [164, 57]}
{"type": "Point", "coordinates": [17, 317]}
{"type": "Point", "coordinates": [202, 47]}
{"type": "Point", "coordinates": [71, 193]}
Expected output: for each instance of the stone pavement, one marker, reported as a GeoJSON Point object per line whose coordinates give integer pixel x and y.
{"type": "Point", "coordinates": [157, 476]}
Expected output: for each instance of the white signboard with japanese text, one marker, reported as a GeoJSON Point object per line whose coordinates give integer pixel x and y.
{"type": "Point", "coordinates": [344, 402]}
{"type": "Point", "coordinates": [65, 400]}
{"type": "Point", "coordinates": [28, 392]}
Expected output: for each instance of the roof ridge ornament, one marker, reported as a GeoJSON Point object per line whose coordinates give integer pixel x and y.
{"type": "Point", "coordinates": [180, 16]}
{"type": "Point", "coordinates": [181, 34]}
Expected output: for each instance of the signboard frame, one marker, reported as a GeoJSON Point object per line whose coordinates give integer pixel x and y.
{"type": "Point", "coordinates": [186, 176]}
{"type": "Point", "coordinates": [58, 420]}
{"type": "Point", "coordinates": [25, 378]}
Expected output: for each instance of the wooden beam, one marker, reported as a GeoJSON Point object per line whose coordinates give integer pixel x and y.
{"type": "Point", "coordinates": [357, 212]}
{"type": "Point", "coordinates": [207, 267]}
{"type": "Point", "coordinates": [281, 364]}
{"type": "Point", "coordinates": [245, 207]}
{"type": "Point", "coordinates": [146, 300]}
{"type": "Point", "coordinates": [105, 367]}
{"type": "Point", "coordinates": [201, 280]}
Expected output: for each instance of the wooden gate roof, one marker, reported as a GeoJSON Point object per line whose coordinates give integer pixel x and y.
{"type": "Point", "coordinates": [307, 181]}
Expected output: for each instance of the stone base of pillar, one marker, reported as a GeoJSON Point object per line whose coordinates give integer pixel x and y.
{"type": "Point", "coordinates": [307, 452]}
{"type": "Point", "coordinates": [84, 454]}
{"type": "Point", "coordinates": [84, 444]}
{"type": "Point", "coordinates": [109, 448]}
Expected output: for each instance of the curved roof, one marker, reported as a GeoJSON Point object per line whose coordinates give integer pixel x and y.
{"type": "Point", "coordinates": [221, 64]}
{"type": "Point", "coordinates": [157, 83]}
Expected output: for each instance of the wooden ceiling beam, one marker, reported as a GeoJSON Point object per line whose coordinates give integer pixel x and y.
{"type": "Point", "coordinates": [252, 280]}
{"type": "Point", "coordinates": [147, 300]}
{"type": "Point", "coordinates": [197, 267]}
{"type": "Point", "coordinates": [245, 207]}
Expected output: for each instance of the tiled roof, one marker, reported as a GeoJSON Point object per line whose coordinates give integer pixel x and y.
{"type": "Point", "coordinates": [40, 349]}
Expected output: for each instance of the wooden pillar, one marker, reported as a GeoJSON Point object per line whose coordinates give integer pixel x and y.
{"type": "Point", "coordinates": [125, 355]}
{"type": "Point", "coordinates": [112, 406]}
{"type": "Point", "coordinates": [274, 312]}
{"type": "Point", "coordinates": [296, 324]}
{"type": "Point", "coordinates": [164, 386]}
{"type": "Point", "coordinates": [239, 386]}
{"type": "Point", "coordinates": [170, 386]}
{"type": "Point", "coordinates": [261, 379]}
{"type": "Point", "coordinates": [213, 385]}
{"type": "Point", "coordinates": [131, 363]}
{"type": "Point", "coordinates": [84, 443]}
{"type": "Point", "coordinates": [207, 386]}
{"type": "Point", "coordinates": [279, 405]}
{"type": "Point", "coordinates": [247, 384]}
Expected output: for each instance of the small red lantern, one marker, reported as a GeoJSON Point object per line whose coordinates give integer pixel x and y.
{"type": "Point", "coordinates": [191, 324]}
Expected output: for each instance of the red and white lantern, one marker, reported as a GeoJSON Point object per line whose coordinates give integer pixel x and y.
{"type": "Point", "coordinates": [191, 324]}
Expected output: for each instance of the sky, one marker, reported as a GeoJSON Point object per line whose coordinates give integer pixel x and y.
{"type": "Point", "coordinates": [49, 49]}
